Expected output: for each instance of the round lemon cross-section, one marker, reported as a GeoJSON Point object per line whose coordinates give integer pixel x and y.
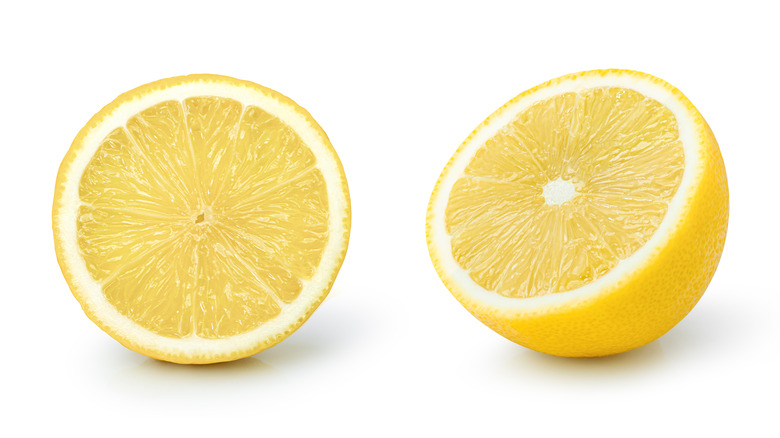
{"type": "Point", "coordinates": [201, 218]}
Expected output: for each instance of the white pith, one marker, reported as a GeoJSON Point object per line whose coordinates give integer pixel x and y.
{"type": "Point", "coordinates": [440, 245]}
{"type": "Point", "coordinates": [558, 191]}
{"type": "Point", "coordinates": [194, 346]}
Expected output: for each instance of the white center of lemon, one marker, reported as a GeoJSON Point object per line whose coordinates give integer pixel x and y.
{"type": "Point", "coordinates": [558, 191]}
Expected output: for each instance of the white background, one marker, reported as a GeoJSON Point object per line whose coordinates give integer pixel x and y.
{"type": "Point", "coordinates": [397, 88]}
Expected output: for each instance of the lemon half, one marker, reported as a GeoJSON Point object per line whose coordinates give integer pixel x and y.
{"type": "Point", "coordinates": [585, 217]}
{"type": "Point", "coordinates": [201, 218]}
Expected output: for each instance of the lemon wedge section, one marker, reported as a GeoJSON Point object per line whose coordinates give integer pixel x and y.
{"type": "Point", "coordinates": [585, 217]}
{"type": "Point", "coordinates": [201, 218]}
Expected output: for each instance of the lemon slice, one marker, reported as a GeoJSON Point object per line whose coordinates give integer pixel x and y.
{"type": "Point", "coordinates": [585, 217]}
{"type": "Point", "coordinates": [200, 218]}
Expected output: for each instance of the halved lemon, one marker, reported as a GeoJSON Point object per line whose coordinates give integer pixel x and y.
{"type": "Point", "coordinates": [201, 218]}
{"type": "Point", "coordinates": [585, 217]}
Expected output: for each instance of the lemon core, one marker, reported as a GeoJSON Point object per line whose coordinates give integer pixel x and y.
{"type": "Point", "coordinates": [558, 191]}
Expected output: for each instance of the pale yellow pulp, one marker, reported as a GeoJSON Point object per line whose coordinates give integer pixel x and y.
{"type": "Point", "coordinates": [617, 149]}
{"type": "Point", "coordinates": [202, 217]}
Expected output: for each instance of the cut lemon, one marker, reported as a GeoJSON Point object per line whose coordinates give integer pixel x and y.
{"type": "Point", "coordinates": [200, 218]}
{"type": "Point", "coordinates": [585, 217]}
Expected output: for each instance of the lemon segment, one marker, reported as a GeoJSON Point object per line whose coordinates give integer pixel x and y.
{"type": "Point", "coordinates": [206, 224]}
{"type": "Point", "coordinates": [585, 217]}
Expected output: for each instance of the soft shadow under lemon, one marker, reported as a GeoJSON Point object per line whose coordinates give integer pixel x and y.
{"type": "Point", "coordinates": [153, 370]}
{"type": "Point", "coordinates": [637, 361]}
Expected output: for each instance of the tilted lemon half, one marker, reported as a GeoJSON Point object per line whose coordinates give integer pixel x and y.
{"type": "Point", "coordinates": [585, 217]}
{"type": "Point", "coordinates": [200, 218]}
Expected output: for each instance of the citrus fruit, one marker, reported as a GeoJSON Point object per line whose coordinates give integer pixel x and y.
{"type": "Point", "coordinates": [200, 218]}
{"type": "Point", "coordinates": [585, 217]}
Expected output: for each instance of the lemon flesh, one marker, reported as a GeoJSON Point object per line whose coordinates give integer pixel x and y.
{"type": "Point", "coordinates": [617, 153]}
{"type": "Point", "coordinates": [585, 217]}
{"type": "Point", "coordinates": [202, 218]}
{"type": "Point", "coordinates": [202, 228]}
